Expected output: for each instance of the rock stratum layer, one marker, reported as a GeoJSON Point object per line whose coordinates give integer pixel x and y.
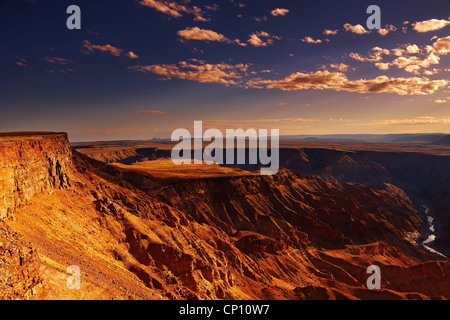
{"type": "Point", "coordinates": [235, 237]}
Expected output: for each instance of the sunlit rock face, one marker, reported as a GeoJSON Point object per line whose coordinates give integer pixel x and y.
{"type": "Point", "coordinates": [225, 234]}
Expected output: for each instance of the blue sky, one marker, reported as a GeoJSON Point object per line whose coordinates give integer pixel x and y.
{"type": "Point", "coordinates": [139, 69]}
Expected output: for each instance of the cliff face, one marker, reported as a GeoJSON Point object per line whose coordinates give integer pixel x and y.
{"type": "Point", "coordinates": [19, 267]}
{"type": "Point", "coordinates": [290, 206]}
{"type": "Point", "coordinates": [423, 173]}
{"type": "Point", "coordinates": [274, 237]}
{"type": "Point", "coordinates": [30, 165]}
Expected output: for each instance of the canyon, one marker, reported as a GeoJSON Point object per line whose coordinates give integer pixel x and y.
{"type": "Point", "coordinates": [141, 228]}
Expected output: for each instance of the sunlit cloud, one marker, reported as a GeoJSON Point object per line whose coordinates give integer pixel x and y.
{"type": "Point", "coordinates": [279, 12]}
{"type": "Point", "coordinates": [213, 7]}
{"type": "Point", "coordinates": [412, 49]}
{"type": "Point", "coordinates": [340, 66]}
{"type": "Point", "coordinates": [66, 70]}
{"type": "Point", "coordinates": [282, 123]}
{"type": "Point", "coordinates": [117, 52]}
{"type": "Point", "coordinates": [358, 29]}
{"type": "Point", "coordinates": [431, 72]}
{"type": "Point", "coordinates": [197, 33]}
{"type": "Point", "coordinates": [413, 64]}
{"type": "Point", "coordinates": [388, 28]}
{"type": "Point", "coordinates": [261, 39]}
{"type": "Point", "coordinates": [279, 123]}
{"type": "Point", "coordinates": [132, 55]}
{"type": "Point", "coordinates": [419, 121]}
{"type": "Point", "coordinates": [442, 45]}
{"type": "Point", "coordinates": [440, 101]}
{"type": "Point", "coordinates": [150, 112]}
{"type": "Point", "coordinates": [338, 81]}
{"type": "Point", "coordinates": [330, 32]}
{"type": "Point", "coordinates": [197, 70]}
{"type": "Point", "coordinates": [375, 55]}
{"type": "Point", "coordinates": [410, 57]}
{"type": "Point", "coordinates": [311, 40]}
{"type": "Point", "coordinates": [430, 25]}
{"type": "Point", "coordinates": [260, 19]}
{"type": "Point", "coordinates": [21, 63]}
{"type": "Point", "coordinates": [174, 9]}
{"type": "Point", "coordinates": [58, 60]}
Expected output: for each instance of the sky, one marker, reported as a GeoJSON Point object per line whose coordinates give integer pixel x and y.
{"type": "Point", "coordinates": [139, 69]}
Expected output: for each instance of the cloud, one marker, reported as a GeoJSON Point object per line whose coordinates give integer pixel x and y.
{"type": "Point", "coordinates": [375, 55]}
{"type": "Point", "coordinates": [340, 66]}
{"type": "Point", "coordinates": [150, 112]}
{"type": "Point", "coordinates": [440, 101]}
{"type": "Point", "coordinates": [431, 72]}
{"type": "Point", "coordinates": [411, 58]}
{"type": "Point", "coordinates": [132, 55]}
{"type": "Point", "coordinates": [281, 123]}
{"type": "Point", "coordinates": [303, 81]}
{"type": "Point", "coordinates": [330, 32]}
{"type": "Point", "coordinates": [66, 70]}
{"type": "Point", "coordinates": [213, 7]}
{"type": "Point", "coordinates": [174, 9]}
{"type": "Point", "coordinates": [388, 28]}
{"type": "Point", "coordinates": [165, 7]}
{"type": "Point", "coordinates": [117, 52]}
{"type": "Point", "coordinates": [358, 29]}
{"type": "Point", "coordinates": [382, 65]}
{"type": "Point", "coordinates": [258, 19]}
{"type": "Point", "coordinates": [261, 39]}
{"type": "Point", "coordinates": [413, 64]}
{"type": "Point", "coordinates": [197, 70]}
{"type": "Point", "coordinates": [311, 40]}
{"type": "Point", "coordinates": [196, 33]}
{"type": "Point", "coordinates": [412, 48]}
{"type": "Point", "coordinates": [21, 62]}
{"type": "Point", "coordinates": [58, 60]}
{"type": "Point", "coordinates": [61, 61]}
{"type": "Point", "coordinates": [339, 82]}
{"type": "Point", "coordinates": [279, 12]}
{"type": "Point", "coordinates": [430, 25]}
{"type": "Point", "coordinates": [426, 120]}
{"type": "Point", "coordinates": [442, 45]}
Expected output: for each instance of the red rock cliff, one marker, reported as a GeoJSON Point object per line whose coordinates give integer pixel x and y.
{"type": "Point", "coordinates": [32, 164]}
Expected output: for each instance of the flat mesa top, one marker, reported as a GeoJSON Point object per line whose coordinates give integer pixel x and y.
{"type": "Point", "coordinates": [29, 134]}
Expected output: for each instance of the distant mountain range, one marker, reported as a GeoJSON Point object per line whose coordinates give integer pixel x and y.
{"type": "Point", "coordinates": [444, 140]}
{"type": "Point", "coordinates": [431, 138]}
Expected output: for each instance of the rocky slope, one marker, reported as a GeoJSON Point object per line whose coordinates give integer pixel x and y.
{"type": "Point", "coordinates": [134, 237]}
{"type": "Point", "coordinates": [419, 170]}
